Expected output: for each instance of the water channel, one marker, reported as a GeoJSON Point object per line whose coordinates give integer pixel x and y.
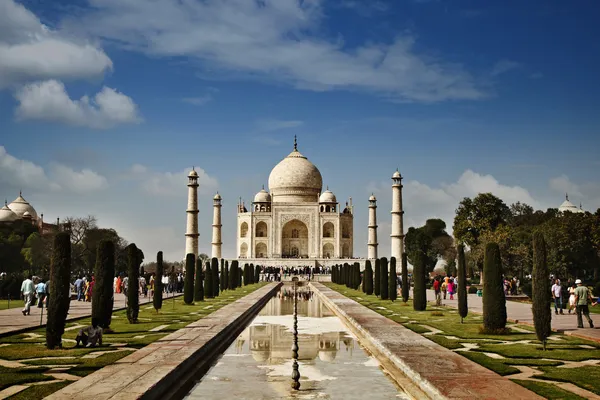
{"type": "Point", "coordinates": [333, 365]}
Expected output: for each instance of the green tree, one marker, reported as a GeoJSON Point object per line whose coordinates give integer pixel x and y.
{"type": "Point", "coordinates": [383, 285]}
{"type": "Point", "coordinates": [188, 280]}
{"type": "Point", "coordinates": [222, 280]}
{"type": "Point", "coordinates": [257, 274]}
{"type": "Point", "coordinates": [134, 259]}
{"type": "Point", "coordinates": [405, 283]}
{"type": "Point", "coordinates": [392, 281]}
{"type": "Point", "coordinates": [377, 278]}
{"type": "Point", "coordinates": [199, 282]}
{"type": "Point", "coordinates": [368, 278]}
{"type": "Point", "coordinates": [432, 240]}
{"type": "Point", "coordinates": [233, 275]}
{"type": "Point", "coordinates": [494, 302]}
{"type": "Point", "coordinates": [542, 316]}
{"type": "Point", "coordinates": [419, 291]}
{"type": "Point", "coordinates": [357, 279]}
{"type": "Point", "coordinates": [60, 290]}
{"type": "Point", "coordinates": [226, 283]}
{"type": "Point", "coordinates": [158, 286]}
{"type": "Point", "coordinates": [214, 264]}
{"type": "Point", "coordinates": [208, 282]}
{"type": "Point", "coordinates": [102, 295]}
{"type": "Point", "coordinates": [463, 308]}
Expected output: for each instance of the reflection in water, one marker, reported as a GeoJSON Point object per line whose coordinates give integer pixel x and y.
{"type": "Point", "coordinates": [258, 364]}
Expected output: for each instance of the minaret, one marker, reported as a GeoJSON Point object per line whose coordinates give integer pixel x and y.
{"type": "Point", "coordinates": [191, 234]}
{"type": "Point", "coordinates": [216, 234]}
{"type": "Point", "coordinates": [372, 244]}
{"type": "Point", "coordinates": [397, 217]}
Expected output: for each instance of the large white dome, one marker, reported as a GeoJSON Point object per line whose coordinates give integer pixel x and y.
{"type": "Point", "coordinates": [7, 215]}
{"type": "Point", "coordinates": [20, 206]}
{"type": "Point", "coordinates": [295, 179]}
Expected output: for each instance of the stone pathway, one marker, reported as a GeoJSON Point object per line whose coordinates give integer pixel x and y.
{"type": "Point", "coordinates": [13, 320]}
{"type": "Point", "coordinates": [521, 312]}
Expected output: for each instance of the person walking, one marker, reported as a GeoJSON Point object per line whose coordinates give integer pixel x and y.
{"type": "Point", "coordinates": [582, 298]}
{"type": "Point", "coordinates": [444, 287]}
{"type": "Point", "coordinates": [451, 289]}
{"type": "Point", "coordinates": [27, 293]}
{"type": "Point", "coordinates": [40, 290]}
{"type": "Point", "coordinates": [79, 288]}
{"type": "Point", "coordinates": [438, 292]}
{"type": "Point", "coordinates": [557, 295]}
{"type": "Point", "coordinates": [572, 302]}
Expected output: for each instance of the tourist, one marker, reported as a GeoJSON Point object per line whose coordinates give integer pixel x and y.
{"type": "Point", "coordinates": [40, 290]}
{"type": "Point", "coordinates": [119, 284]}
{"type": "Point", "coordinates": [557, 295]}
{"type": "Point", "coordinates": [582, 297]}
{"type": "Point", "coordinates": [572, 302]}
{"type": "Point", "coordinates": [27, 293]}
{"type": "Point", "coordinates": [79, 288]}
{"type": "Point", "coordinates": [451, 289]}
{"type": "Point", "coordinates": [438, 292]}
{"type": "Point", "coordinates": [90, 335]}
{"type": "Point", "coordinates": [445, 287]}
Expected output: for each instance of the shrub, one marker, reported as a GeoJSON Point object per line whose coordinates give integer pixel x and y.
{"type": "Point", "coordinates": [158, 286]}
{"type": "Point", "coordinates": [60, 290]}
{"type": "Point", "coordinates": [463, 308]}
{"type": "Point", "coordinates": [542, 315]}
{"type": "Point", "coordinates": [419, 292]}
{"type": "Point", "coordinates": [494, 302]}
{"type": "Point", "coordinates": [377, 278]}
{"type": "Point", "coordinates": [383, 286]}
{"type": "Point", "coordinates": [472, 290]}
{"type": "Point", "coordinates": [208, 281]}
{"type": "Point", "coordinates": [392, 281]}
{"type": "Point", "coordinates": [405, 285]}
{"type": "Point", "coordinates": [104, 272]}
{"type": "Point", "coordinates": [214, 263]}
{"type": "Point", "coordinates": [134, 259]}
{"type": "Point", "coordinates": [188, 282]}
{"type": "Point", "coordinates": [199, 282]}
{"type": "Point", "coordinates": [368, 278]}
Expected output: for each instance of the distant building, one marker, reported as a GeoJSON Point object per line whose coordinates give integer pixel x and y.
{"type": "Point", "coordinates": [21, 210]}
{"type": "Point", "coordinates": [567, 206]}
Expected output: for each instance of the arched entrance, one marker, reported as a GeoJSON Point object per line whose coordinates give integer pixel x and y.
{"type": "Point", "coordinates": [243, 250]}
{"type": "Point", "coordinates": [294, 239]}
{"type": "Point", "coordinates": [261, 250]}
{"type": "Point", "coordinates": [328, 250]}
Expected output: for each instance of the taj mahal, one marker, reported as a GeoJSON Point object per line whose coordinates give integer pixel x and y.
{"type": "Point", "coordinates": [295, 222]}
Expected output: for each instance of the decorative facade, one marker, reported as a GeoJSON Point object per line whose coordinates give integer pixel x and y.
{"type": "Point", "coordinates": [295, 220]}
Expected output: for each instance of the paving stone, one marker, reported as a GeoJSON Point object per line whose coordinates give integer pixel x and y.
{"type": "Point", "coordinates": [159, 328]}
{"type": "Point", "coordinates": [12, 390]}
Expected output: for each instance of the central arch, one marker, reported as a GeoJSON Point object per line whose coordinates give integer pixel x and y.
{"type": "Point", "coordinates": [261, 250]}
{"type": "Point", "coordinates": [328, 250]}
{"type": "Point", "coordinates": [294, 239]}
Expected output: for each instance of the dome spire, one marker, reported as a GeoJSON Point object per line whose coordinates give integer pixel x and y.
{"type": "Point", "coordinates": [295, 143]}
{"type": "Point", "coordinates": [567, 196]}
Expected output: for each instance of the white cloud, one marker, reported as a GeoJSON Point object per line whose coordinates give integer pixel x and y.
{"type": "Point", "coordinates": [278, 40]}
{"type": "Point", "coordinates": [49, 101]}
{"type": "Point", "coordinates": [30, 50]}
{"type": "Point", "coordinates": [170, 183]}
{"type": "Point", "coordinates": [277, 124]}
{"type": "Point", "coordinates": [504, 66]}
{"type": "Point", "coordinates": [562, 184]}
{"type": "Point", "coordinates": [83, 182]}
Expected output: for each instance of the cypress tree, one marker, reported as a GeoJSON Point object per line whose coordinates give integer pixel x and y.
{"type": "Point", "coordinates": [377, 278]}
{"type": "Point", "coordinates": [405, 284]}
{"type": "Point", "coordinates": [368, 284]}
{"type": "Point", "coordinates": [188, 282]}
{"type": "Point", "coordinates": [463, 308]}
{"type": "Point", "coordinates": [158, 286]}
{"type": "Point", "coordinates": [393, 287]}
{"type": "Point", "coordinates": [104, 272]}
{"type": "Point", "coordinates": [347, 276]}
{"type": "Point", "coordinates": [239, 276]}
{"type": "Point", "coordinates": [60, 290]}
{"type": "Point", "coordinates": [226, 275]}
{"type": "Point", "coordinates": [251, 273]}
{"type": "Point", "coordinates": [134, 260]}
{"type": "Point", "coordinates": [419, 291]}
{"type": "Point", "coordinates": [257, 274]}
{"type": "Point", "coordinates": [222, 280]}
{"type": "Point", "coordinates": [215, 276]}
{"type": "Point", "coordinates": [232, 275]}
{"type": "Point", "coordinates": [542, 315]}
{"type": "Point", "coordinates": [208, 282]}
{"type": "Point", "coordinates": [199, 282]}
{"type": "Point", "coordinates": [383, 285]}
{"type": "Point", "coordinates": [494, 302]}
{"type": "Point", "coordinates": [357, 276]}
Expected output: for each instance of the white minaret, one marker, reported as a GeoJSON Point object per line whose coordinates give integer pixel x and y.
{"type": "Point", "coordinates": [397, 214]}
{"type": "Point", "coordinates": [191, 234]}
{"type": "Point", "coordinates": [216, 234]}
{"type": "Point", "coordinates": [372, 244]}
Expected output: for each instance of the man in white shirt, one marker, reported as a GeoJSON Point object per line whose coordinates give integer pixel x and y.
{"type": "Point", "coordinates": [557, 295]}
{"type": "Point", "coordinates": [27, 293]}
{"type": "Point", "coordinates": [90, 335]}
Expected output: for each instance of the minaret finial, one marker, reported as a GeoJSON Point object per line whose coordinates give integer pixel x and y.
{"type": "Point", "coordinates": [20, 193]}
{"type": "Point", "coordinates": [263, 187]}
{"type": "Point", "coordinates": [295, 143]}
{"type": "Point", "coordinates": [5, 202]}
{"type": "Point", "coordinates": [327, 187]}
{"type": "Point", "coordinates": [567, 196]}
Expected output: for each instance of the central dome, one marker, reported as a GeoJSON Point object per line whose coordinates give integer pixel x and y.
{"type": "Point", "coordinates": [295, 179]}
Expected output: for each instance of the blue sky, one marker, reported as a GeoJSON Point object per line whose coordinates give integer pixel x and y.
{"type": "Point", "coordinates": [462, 96]}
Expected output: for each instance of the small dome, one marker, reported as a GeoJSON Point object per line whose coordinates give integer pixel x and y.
{"type": "Point", "coordinates": [327, 197]}
{"type": "Point", "coordinates": [7, 215]}
{"type": "Point", "coordinates": [193, 173]}
{"type": "Point", "coordinates": [217, 196]}
{"type": "Point", "coordinates": [372, 198]}
{"type": "Point", "coordinates": [396, 175]}
{"type": "Point", "coordinates": [20, 206]}
{"type": "Point", "coordinates": [262, 197]}
{"type": "Point", "coordinates": [570, 207]}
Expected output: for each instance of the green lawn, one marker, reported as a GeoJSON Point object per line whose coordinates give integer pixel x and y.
{"type": "Point", "coordinates": [18, 303]}
{"type": "Point", "coordinates": [29, 347]}
{"type": "Point", "coordinates": [526, 349]}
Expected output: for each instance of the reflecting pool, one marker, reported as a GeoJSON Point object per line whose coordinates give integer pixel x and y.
{"type": "Point", "coordinates": [258, 365]}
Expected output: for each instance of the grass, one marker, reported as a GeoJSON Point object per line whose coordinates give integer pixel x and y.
{"type": "Point", "coordinates": [29, 348]}
{"type": "Point", "coordinates": [18, 303]}
{"type": "Point", "coordinates": [518, 348]}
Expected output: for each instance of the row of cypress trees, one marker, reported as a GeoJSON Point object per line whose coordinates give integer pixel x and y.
{"type": "Point", "coordinates": [347, 274]}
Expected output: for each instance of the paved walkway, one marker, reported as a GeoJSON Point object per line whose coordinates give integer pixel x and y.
{"type": "Point", "coordinates": [13, 320]}
{"type": "Point", "coordinates": [447, 376]}
{"type": "Point", "coordinates": [566, 323]}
